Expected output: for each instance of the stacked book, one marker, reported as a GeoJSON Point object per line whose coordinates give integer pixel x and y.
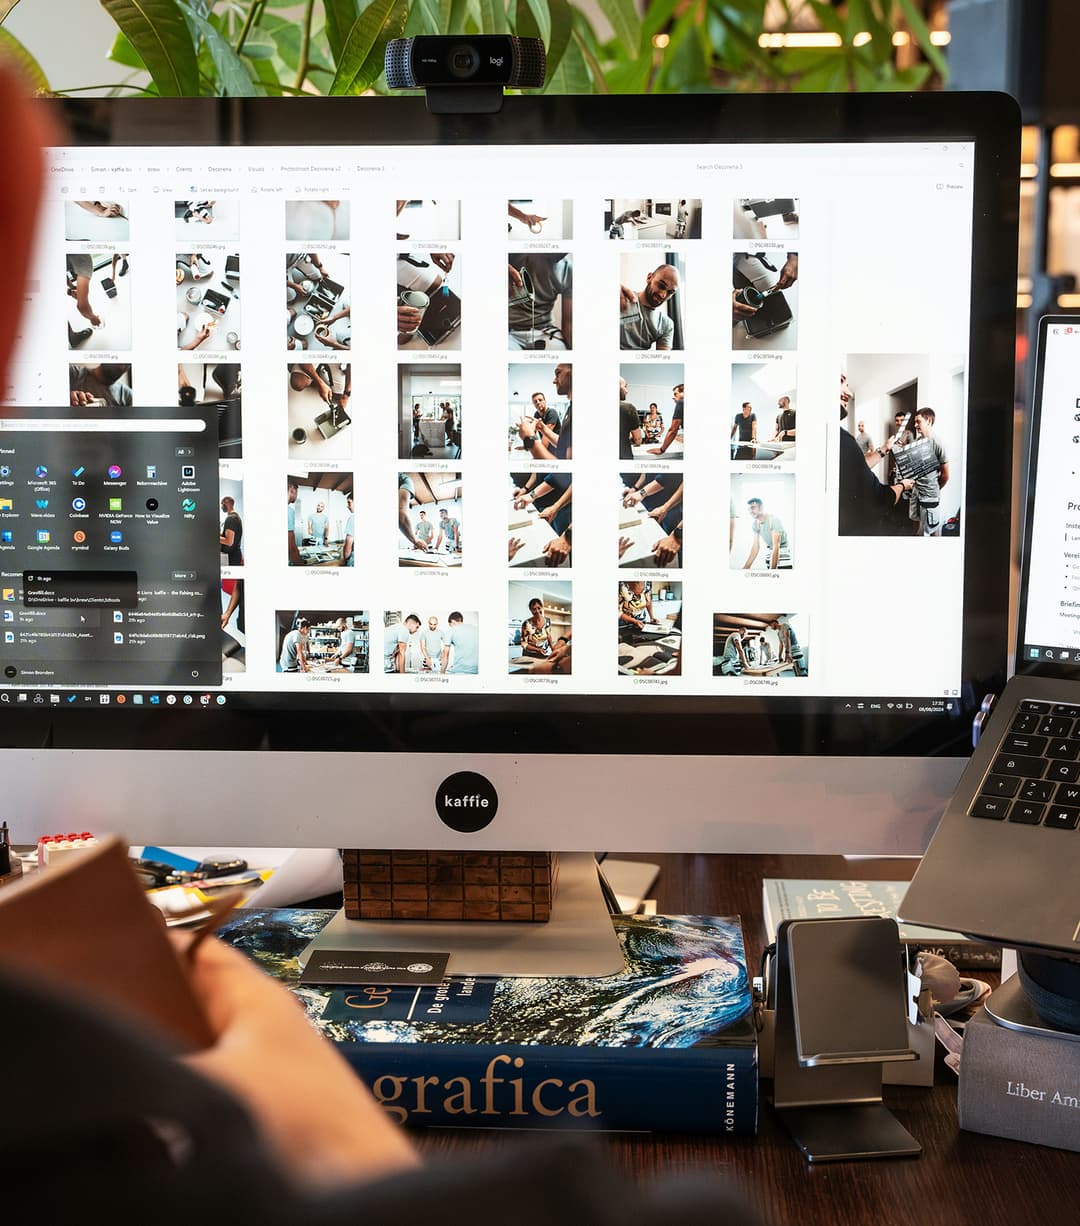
{"type": "Point", "coordinates": [669, 1043]}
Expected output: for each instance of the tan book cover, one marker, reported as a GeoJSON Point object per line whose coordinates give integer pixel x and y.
{"type": "Point", "coordinates": [85, 926]}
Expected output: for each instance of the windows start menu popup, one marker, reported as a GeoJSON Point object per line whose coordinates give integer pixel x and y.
{"type": "Point", "coordinates": [109, 550]}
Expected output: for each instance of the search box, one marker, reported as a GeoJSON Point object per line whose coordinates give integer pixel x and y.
{"type": "Point", "coordinates": [104, 425]}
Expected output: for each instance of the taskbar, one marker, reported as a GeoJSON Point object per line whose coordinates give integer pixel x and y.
{"type": "Point", "coordinates": [1040, 653]}
{"type": "Point", "coordinates": [109, 698]}
{"type": "Point", "coordinates": [249, 700]}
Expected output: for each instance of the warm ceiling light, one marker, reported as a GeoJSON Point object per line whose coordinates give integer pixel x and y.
{"type": "Point", "coordinates": [862, 38]}
{"type": "Point", "coordinates": [1069, 302]}
{"type": "Point", "coordinates": [1028, 170]}
{"type": "Point", "coordinates": [940, 38]}
{"type": "Point", "coordinates": [1023, 301]}
{"type": "Point", "coordinates": [800, 40]}
{"type": "Point", "coordinates": [901, 38]}
{"type": "Point", "coordinates": [1065, 170]}
{"type": "Point", "coordinates": [661, 40]}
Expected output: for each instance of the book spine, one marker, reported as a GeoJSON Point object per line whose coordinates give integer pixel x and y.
{"type": "Point", "coordinates": [964, 955]}
{"type": "Point", "coordinates": [711, 1089]}
{"type": "Point", "coordinates": [1022, 1086]}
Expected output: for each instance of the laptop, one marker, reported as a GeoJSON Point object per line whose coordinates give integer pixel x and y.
{"type": "Point", "coordinates": [1004, 863]}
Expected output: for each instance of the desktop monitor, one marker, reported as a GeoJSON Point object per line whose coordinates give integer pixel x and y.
{"type": "Point", "coordinates": [506, 554]}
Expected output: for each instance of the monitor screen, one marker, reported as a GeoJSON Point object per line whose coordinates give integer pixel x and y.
{"type": "Point", "coordinates": [1048, 638]}
{"type": "Point", "coordinates": [503, 550]}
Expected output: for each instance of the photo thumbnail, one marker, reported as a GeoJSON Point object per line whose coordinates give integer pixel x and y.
{"type": "Point", "coordinates": [538, 405]}
{"type": "Point", "coordinates": [208, 300]}
{"type": "Point", "coordinates": [540, 519]}
{"type": "Point", "coordinates": [650, 628]}
{"type": "Point", "coordinates": [650, 520]}
{"type": "Point", "coordinates": [233, 633]}
{"type": "Point", "coordinates": [429, 220]}
{"type": "Point", "coordinates": [106, 383]}
{"type": "Point", "coordinates": [231, 521]}
{"type": "Point", "coordinates": [650, 411]}
{"type": "Point", "coordinates": [207, 220]}
{"type": "Point", "coordinates": [429, 300]}
{"type": "Point", "coordinates": [317, 300]}
{"type": "Point", "coordinates": [764, 300]}
{"type": "Point", "coordinates": [319, 396]}
{"type": "Point", "coordinates": [770, 220]}
{"type": "Point", "coordinates": [427, 640]}
{"type": "Point", "coordinates": [313, 221]}
{"type": "Point", "coordinates": [540, 297]}
{"type": "Point", "coordinates": [548, 219]}
{"type": "Point", "coordinates": [901, 453]}
{"type": "Point", "coordinates": [429, 519]}
{"type": "Point", "coordinates": [99, 313]}
{"type": "Point", "coordinates": [637, 218]}
{"type": "Point", "coordinates": [322, 529]}
{"type": "Point", "coordinates": [650, 304]}
{"type": "Point", "coordinates": [540, 627]}
{"type": "Point", "coordinates": [429, 411]}
{"type": "Point", "coordinates": [762, 517]}
{"type": "Point", "coordinates": [321, 640]}
{"type": "Point", "coordinates": [87, 221]}
{"type": "Point", "coordinates": [216, 383]}
{"type": "Point", "coordinates": [760, 645]}
{"type": "Point", "coordinates": [763, 411]}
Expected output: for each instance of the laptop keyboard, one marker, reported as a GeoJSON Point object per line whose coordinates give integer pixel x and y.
{"type": "Point", "coordinates": [1034, 777]}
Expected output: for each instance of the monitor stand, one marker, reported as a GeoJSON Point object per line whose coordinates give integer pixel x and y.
{"type": "Point", "coordinates": [577, 942]}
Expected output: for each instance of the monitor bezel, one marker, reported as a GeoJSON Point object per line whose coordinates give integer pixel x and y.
{"type": "Point", "coordinates": [576, 724]}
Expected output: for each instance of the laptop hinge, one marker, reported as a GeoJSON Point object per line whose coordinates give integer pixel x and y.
{"type": "Point", "coordinates": [981, 718]}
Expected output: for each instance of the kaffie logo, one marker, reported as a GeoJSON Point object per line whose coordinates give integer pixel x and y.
{"type": "Point", "coordinates": [466, 802]}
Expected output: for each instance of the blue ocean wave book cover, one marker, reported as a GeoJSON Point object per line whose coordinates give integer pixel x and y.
{"type": "Point", "coordinates": [668, 1044]}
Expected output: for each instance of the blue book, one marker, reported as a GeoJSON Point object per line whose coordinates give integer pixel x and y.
{"type": "Point", "coordinates": [668, 1044]}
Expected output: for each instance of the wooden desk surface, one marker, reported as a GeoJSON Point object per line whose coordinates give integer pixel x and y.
{"type": "Point", "coordinates": [961, 1178]}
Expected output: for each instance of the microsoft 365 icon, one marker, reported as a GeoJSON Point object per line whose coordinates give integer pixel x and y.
{"type": "Point", "coordinates": [466, 802]}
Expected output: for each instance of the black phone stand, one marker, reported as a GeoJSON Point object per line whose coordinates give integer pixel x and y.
{"type": "Point", "coordinates": [841, 980]}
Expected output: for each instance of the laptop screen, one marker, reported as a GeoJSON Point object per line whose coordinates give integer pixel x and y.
{"type": "Point", "coordinates": [1049, 626]}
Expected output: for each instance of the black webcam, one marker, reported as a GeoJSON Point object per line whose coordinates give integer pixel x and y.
{"type": "Point", "coordinates": [461, 73]}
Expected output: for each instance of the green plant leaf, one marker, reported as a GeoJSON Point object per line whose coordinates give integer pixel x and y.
{"type": "Point", "coordinates": [735, 49]}
{"type": "Point", "coordinates": [527, 20]}
{"type": "Point", "coordinates": [265, 73]}
{"type": "Point", "coordinates": [493, 17]}
{"type": "Point", "coordinates": [921, 34]}
{"type": "Point", "coordinates": [593, 66]}
{"type": "Point", "coordinates": [361, 61]}
{"type": "Point", "coordinates": [234, 79]}
{"type": "Point", "coordinates": [684, 66]}
{"type": "Point", "coordinates": [423, 18]}
{"type": "Point", "coordinates": [28, 67]}
{"type": "Point", "coordinates": [827, 16]}
{"type": "Point", "coordinates": [122, 52]}
{"type": "Point", "coordinates": [910, 79]}
{"type": "Point", "coordinates": [630, 76]}
{"type": "Point", "coordinates": [624, 22]}
{"type": "Point", "coordinates": [459, 16]}
{"type": "Point", "coordinates": [571, 75]}
{"type": "Point", "coordinates": [258, 49]}
{"type": "Point", "coordinates": [340, 15]}
{"type": "Point", "coordinates": [158, 32]}
{"type": "Point", "coordinates": [286, 34]}
{"type": "Point", "coordinates": [827, 75]}
{"type": "Point", "coordinates": [657, 16]}
{"type": "Point", "coordinates": [562, 26]}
